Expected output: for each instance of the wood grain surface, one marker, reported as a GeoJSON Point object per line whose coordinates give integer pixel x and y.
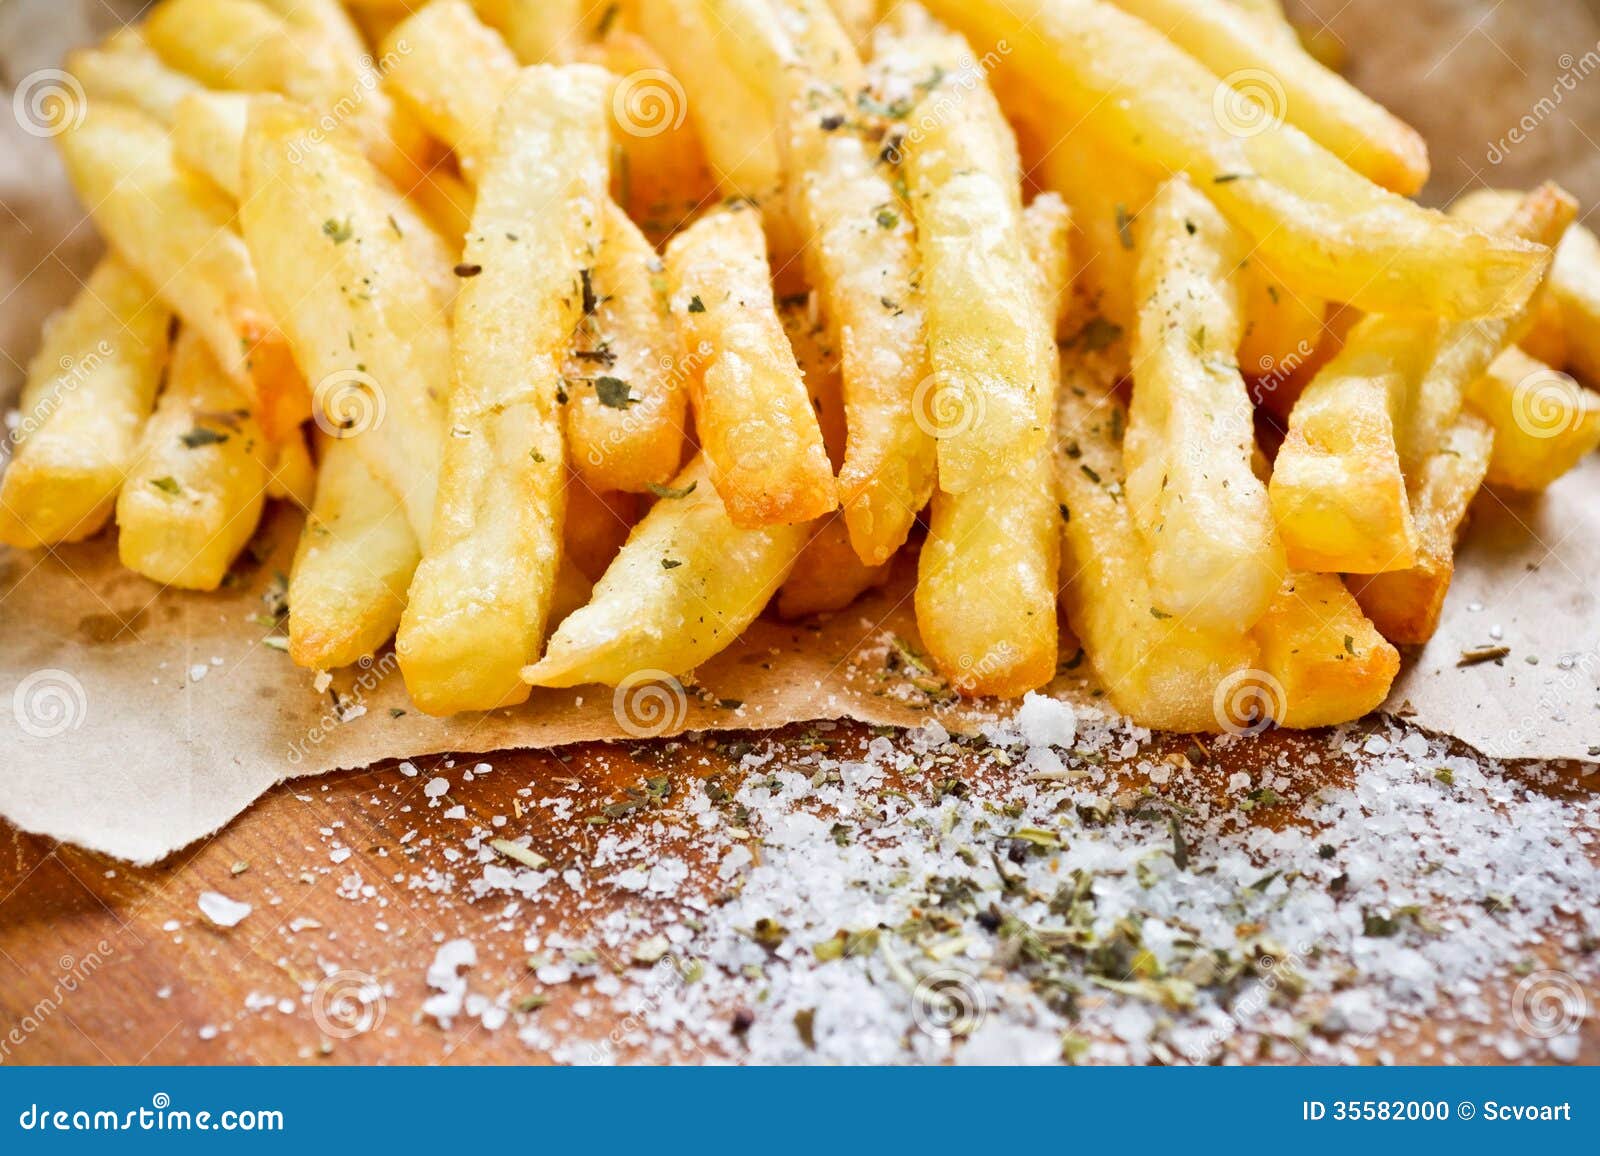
{"type": "Point", "coordinates": [102, 963]}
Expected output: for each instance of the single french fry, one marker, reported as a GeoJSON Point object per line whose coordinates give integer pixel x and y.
{"type": "Point", "coordinates": [208, 134]}
{"type": "Point", "coordinates": [355, 560]}
{"type": "Point", "coordinates": [176, 231]}
{"type": "Point", "coordinates": [752, 412]}
{"type": "Point", "coordinates": [596, 526]}
{"type": "Point", "coordinates": [231, 44]}
{"type": "Point", "coordinates": [1157, 671]}
{"type": "Point", "coordinates": [293, 476]}
{"type": "Point", "coordinates": [987, 574]}
{"type": "Point", "coordinates": [1544, 422]}
{"type": "Point", "coordinates": [659, 171]}
{"type": "Point", "coordinates": [129, 72]}
{"type": "Point", "coordinates": [89, 389]}
{"type": "Point", "coordinates": [452, 73]}
{"type": "Point", "coordinates": [539, 31]}
{"type": "Point", "coordinates": [685, 586]}
{"type": "Point", "coordinates": [627, 399]}
{"type": "Point", "coordinates": [193, 497]}
{"type": "Point", "coordinates": [1275, 79]}
{"type": "Point", "coordinates": [1405, 604]}
{"type": "Point", "coordinates": [1324, 661]}
{"type": "Point", "coordinates": [367, 327]}
{"type": "Point", "coordinates": [1215, 559]}
{"type": "Point", "coordinates": [1376, 411]}
{"type": "Point", "coordinates": [1573, 286]}
{"type": "Point", "coordinates": [992, 362]}
{"type": "Point", "coordinates": [862, 257]}
{"type": "Point", "coordinates": [1283, 326]}
{"type": "Point", "coordinates": [479, 602]}
{"type": "Point", "coordinates": [1317, 222]}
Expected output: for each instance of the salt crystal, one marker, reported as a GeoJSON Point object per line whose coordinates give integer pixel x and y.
{"type": "Point", "coordinates": [198, 671]}
{"type": "Point", "coordinates": [436, 786]}
{"type": "Point", "coordinates": [1046, 722]}
{"type": "Point", "coordinates": [221, 910]}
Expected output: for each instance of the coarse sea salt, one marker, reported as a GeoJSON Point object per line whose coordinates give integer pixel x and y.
{"type": "Point", "coordinates": [221, 910]}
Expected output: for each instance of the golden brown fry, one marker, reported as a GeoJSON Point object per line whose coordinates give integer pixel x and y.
{"type": "Point", "coordinates": [1544, 422]}
{"type": "Point", "coordinates": [480, 599]}
{"type": "Point", "coordinates": [89, 389]}
{"type": "Point", "coordinates": [596, 526]}
{"type": "Point", "coordinates": [1273, 78]}
{"type": "Point", "coordinates": [1405, 604]}
{"type": "Point", "coordinates": [1157, 671]}
{"type": "Point", "coordinates": [367, 326]}
{"type": "Point", "coordinates": [1316, 221]}
{"type": "Point", "coordinates": [685, 586]}
{"type": "Point", "coordinates": [1215, 559]}
{"type": "Point", "coordinates": [1323, 660]}
{"type": "Point", "coordinates": [752, 412]}
{"type": "Point", "coordinates": [627, 400]}
{"type": "Point", "coordinates": [355, 559]}
{"type": "Point", "coordinates": [176, 231]}
{"type": "Point", "coordinates": [293, 476]}
{"type": "Point", "coordinates": [992, 362]}
{"type": "Point", "coordinates": [192, 500]}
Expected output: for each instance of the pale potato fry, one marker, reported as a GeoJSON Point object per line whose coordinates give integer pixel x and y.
{"type": "Point", "coordinates": [1405, 604]}
{"type": "Point", "coordinates": [355, 560]}
{"type": "Point", "coordinates": [992, 361]}
{"type": "Point", "coordinates": [293, 476]}
{"type": "Point", "coordinates": [1377, 411]}
{"type": "Point", "coordinates": [452, 73]}
{"type": "Point", "coordinates": [1283, 326]}
{"type": "Point", "coordinates": [129, 72]}
{"type": "Point", "coordinates": [193, 497]}
{"type": "Point", "coordinates": [987, 575]}
{"type": "Point", "coordinates": [208, 134]}
{"type": "Point", "coordinates": [752, 412]}
{"type": "Point", "coordinates": [659, 171]}
{"type": "Point", "coordinates": [597, 524]}
{"type": "Point", "coordinates": [1286, 83]}
{"type": "Point", "coordinates": [1215, 560]}
{"type": "Point", "coordinates": [539, 31]}
{"type": "Point", "coordinates": [1318, 223]}
{"type": "Point", "coordinates": [685, 586]}
{"type": "Point", "coordinates": [89, 389]}
{"type": "Point", "coordinates": [1544, 422]}
{"type": "Point", "coordinates": [627, 401]}
{"type": "Point", "coordinates": [1157, 671]}
{"type": "Point", "coordinates": [1573, 286]}
{"type": "Point", "coordinates": [480, 599]}
{"type": "Point", "coordinates": [1324, 661]}
{"type": "Point", "coordinates": [366, 324]}
{"type": "Point", "coordinates": [233, 44]}
{"type": "Point", "coordinates": [176, 231]}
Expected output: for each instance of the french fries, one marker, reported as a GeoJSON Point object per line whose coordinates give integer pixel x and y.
{"type": "Point", "coordinates": [193, 497]}
{"type": "Point", "coordinates": [365, 323]}
{"type": "Point", "coordinates": [1314, 220]}
{"type": "Point", "coordinates": [1544, 422]}
{"type": "Point", "coordinates": [89, 390]}
{"type": "Point", "coordinates": [1285, 82]}
{"type": "Point", "coordinates": [538, 31]}
{"type": "Point", "coordinates": [127, 71]}
{"type": "Point", "coordinates": [353, 564]}
{"type": "Point", "coordinates": [1003, 535]}
{"type": "Point", "coordinates": [208, 136]}
{"type": "Point", "coordinates": [627, 401]}
{"type": "Point", "coordinates": [176, 231]}
{"type": "Point", "coordinates": [1405, 604]}
{"type": "Point", "coordinates": [685, 586]}
{"type": "Point", "coordinates": [1323, 659]}
{"type": "Point", "coordinates": [1215, 559]}
{"type": "Point", "coordinates": [992, 361]}
{"type": "Point", "coordinates": [478, 604]}
{"type": "Point", "coordinates": [753, 415]}
{"type": "Point", "coordinates": [1153, 667]}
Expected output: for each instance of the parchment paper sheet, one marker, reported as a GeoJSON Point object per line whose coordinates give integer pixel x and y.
{"type": "Point", "coordinates": [135, 720]}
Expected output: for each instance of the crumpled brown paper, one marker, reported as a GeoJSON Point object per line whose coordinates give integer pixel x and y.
{"type": "Point", "coordinates": [140, 719]}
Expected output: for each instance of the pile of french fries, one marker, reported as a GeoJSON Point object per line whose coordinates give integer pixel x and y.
{"type": "Point", "coordinates": [582, 334]}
